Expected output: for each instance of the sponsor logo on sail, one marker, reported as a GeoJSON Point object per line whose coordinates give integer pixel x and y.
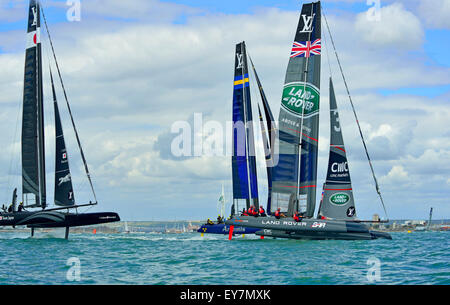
{"type": "Point", "coordinates": [351, 211]}
{"type": "Point", "coordinates": [339, 167]}
{"type": "Point", "coordinates": [33, 10]}
{"type": "Point", "coordinates": [339, 199]}
{"type": "Point", "coordinates": [300, 98]}
{"type": "Point", "coordinates": [64, 179]}
{"type": "Point", "coordinates": [239, 58]}
{"type": "Point", "coordinates": [307, 23]}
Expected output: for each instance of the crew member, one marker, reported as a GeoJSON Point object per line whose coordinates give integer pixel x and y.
{"type": "Point", "coordinates": [277, 213]}
{"type": "Point", "coordinates": [297, 217]}
{"type": "Point", "coordinates": [209, 222]}
{"type": "Point", "coordinates": [262, 212]}
{"type": "Point", "coordinates": [21, 208]}
{"type": "Point", "coordinates": [10, 209]}
{"type": "Point", "coordinates": [250, 211]}
{"type": "Point", "coordinates": [253, 211]}
{"type": "Point", "coordinates": [219, 219]}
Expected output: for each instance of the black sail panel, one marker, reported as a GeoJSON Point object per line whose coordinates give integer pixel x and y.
{"type": "Point", "coordinates": [33, 152]}
{"type": "Point", "coordinates": [337, 201]}
{"type": "Point", "coordinates": [63, 179]}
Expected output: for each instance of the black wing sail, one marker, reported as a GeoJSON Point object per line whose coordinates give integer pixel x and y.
{"type": "Point", "coordinates": [295, 174]}
{"type": "Point", "coordinates": [337, 201]}
{"type": "Point", "coordinates": [33, 152]}
{"type": "Point", "coordinates": [63, 179]}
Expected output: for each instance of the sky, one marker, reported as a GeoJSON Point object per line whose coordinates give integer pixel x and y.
{"type": "Point", "coordinates": [134, 68]}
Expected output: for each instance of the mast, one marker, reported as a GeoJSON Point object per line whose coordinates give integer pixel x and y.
{"type": "Point", "coordinates": [295, 175]}
{"type": "Point", "coordinates": [337, 201]}
{"type": "Point", "coordinates": [33, 148]}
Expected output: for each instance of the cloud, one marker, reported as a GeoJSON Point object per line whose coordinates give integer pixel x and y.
{"type": "Point", "coordinates": [435, 13]}
{"type": "Point", "coordinates": [396, 176]}
{"type": "Point", "coordinates": [396, 27]}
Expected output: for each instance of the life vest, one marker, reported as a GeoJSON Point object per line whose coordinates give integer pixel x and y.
{"type": "Point", "coordinates": [277, 213]}
{"type": "Point", "coordinates": [261, 210]}
{"type": "Point", "coordinates": [296, 217]}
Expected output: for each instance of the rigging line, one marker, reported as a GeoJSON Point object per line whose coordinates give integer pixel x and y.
{"type": "Point", "coordinates": [328, 55]}
{"type": "Point", "coordinates": [68, 107]}
{"type": "Point", "coordinates": [244, 102]}
{"type": "Point", "coordinates": [356, 117]}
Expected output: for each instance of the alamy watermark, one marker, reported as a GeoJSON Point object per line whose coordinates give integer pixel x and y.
{"type": "Point", "coordinates": [212, 138]}
{"type": "Point", "coordinates": [74, 11]}
{"type": "Point", "coordinates": [374, 272]}
{"type": "Point", "coordinates": [373, 13]}
{"type": "Point", "coordinates": [74, 272]}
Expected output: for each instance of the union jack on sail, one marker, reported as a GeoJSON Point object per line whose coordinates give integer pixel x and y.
{"type": "Point", "coordinates": [306, 49]}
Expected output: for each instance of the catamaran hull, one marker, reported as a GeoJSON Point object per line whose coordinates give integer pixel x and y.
{"type": "Point", "coordinates": [53, 219]}
{"type": "Point", "coordinates": [225, 229]}
{"type": "Point", "coordinates": [317, 235]}
{"type": "Point", "coordinates": [307, 228]}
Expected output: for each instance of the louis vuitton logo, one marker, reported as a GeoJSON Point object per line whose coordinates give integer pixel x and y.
{"type": "Point", "coordinates": [33, 10]}
{"type": "Point", "coordinates": [307, 23]}
{"type": "Point", "coordinates": [240, 60]}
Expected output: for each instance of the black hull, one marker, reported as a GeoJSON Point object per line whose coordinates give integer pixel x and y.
{"type": "Point", "coordinates": [308, 228]}
{"type": "Point", "coordinates": [53, 219]}
{"type": "Point", "coordinates": [323, 235]}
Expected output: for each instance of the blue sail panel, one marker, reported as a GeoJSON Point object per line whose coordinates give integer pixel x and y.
{"type": "Point", "coordinates": [239, 157]}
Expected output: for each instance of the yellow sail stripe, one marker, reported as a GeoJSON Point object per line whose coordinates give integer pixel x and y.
{"type": "Point", "coordinates": [240, 82]}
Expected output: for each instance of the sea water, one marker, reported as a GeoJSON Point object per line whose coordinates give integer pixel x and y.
{"type": "Point", "coordinates": [188, 258]}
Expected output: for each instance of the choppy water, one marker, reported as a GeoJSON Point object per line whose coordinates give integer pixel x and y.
{"type": "Point", "coordinates": [415, 258]}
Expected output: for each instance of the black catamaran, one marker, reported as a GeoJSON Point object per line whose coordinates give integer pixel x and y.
{"type": "Point", "coordinates": [33, 151]}
{"type": "Point", "coordinates": [294, 175]}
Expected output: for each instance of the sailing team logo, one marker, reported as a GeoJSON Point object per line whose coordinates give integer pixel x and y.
{"type": "Point", "coordinates": [351, 211]}
{"type": "Point", "coordinates": [64, 179]}
{"type": "Point", "coordinates": [339, 199]}
{"type": "Point", "coordinates": [306, 49]}
{"type": "Point", "coordinates": [307, 23]}
{"type": "Point", "coordinates": [33, 10]}
{"type": "Point", "coordinates": [240, 60]}
{"type": "Point", "coordinates": [300, 98]}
